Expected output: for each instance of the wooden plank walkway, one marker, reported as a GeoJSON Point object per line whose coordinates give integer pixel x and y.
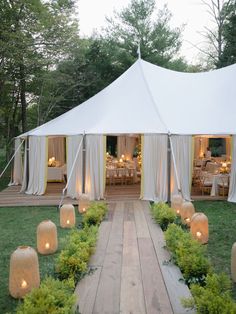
{"type": "Point", "coordinates": [128, 274]}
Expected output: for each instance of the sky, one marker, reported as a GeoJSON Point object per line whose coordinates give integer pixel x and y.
{"type": "Point", "coordinates": [193, 13]}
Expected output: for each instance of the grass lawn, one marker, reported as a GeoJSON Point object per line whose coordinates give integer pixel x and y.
{"type": "Point", "coordinates": [18, 227]}
{"type": "Point", "coordinates": [222, 233]}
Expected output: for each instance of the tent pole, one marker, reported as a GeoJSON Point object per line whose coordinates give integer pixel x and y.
{"type": "Point", "coordinates": [84, 165]}
{"type": "Point", "coordinates": [169, 170]}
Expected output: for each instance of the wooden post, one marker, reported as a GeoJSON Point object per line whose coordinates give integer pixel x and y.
{"type": "Point", "coordinates": [84, 164]}
{"type": "Point", "coordinates": [169, 171]}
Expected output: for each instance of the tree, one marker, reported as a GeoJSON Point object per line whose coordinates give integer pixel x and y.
{"type": "Point", "coordinates": [218, 10]}
{"type": "Point", "coordinates": [35, 35]}
{"type": "Point", "coordinates": [136, 25]}
{"type": "Point", "coordinates": [229, 34]}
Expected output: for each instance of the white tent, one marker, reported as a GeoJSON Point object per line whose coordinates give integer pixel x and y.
{"type": "Point", "coordinates": [154, 102]}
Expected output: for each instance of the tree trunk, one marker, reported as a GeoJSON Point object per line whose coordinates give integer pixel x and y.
{"type": "Point", "coordinates": [23, 97]}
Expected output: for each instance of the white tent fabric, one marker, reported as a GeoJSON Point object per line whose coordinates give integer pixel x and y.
{"type": "Point", "coordinates": [18, 166]}
{"type": "Point", "coordinates": [154, 168]}
{"type": "Point", "coordinates": [74, 188]}
{"type": "Point", "coordinates": [38, 153]}
{"type": "Point", "coordinates": [24, 179]}
{"type": "Point", "coordinates": [95, 166]}
{"type": "Point", "coordinates": [232, 189]}
{"type": "Point", "coordinates": [150, 99]}
{"type": "Point", "coordinates": [182, 150]}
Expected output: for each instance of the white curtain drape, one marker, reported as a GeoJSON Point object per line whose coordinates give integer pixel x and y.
{"type": "Point", "coordinates": [232, 185]}
{"type": "Point", "coordinates": [74, 188]}
{"type": "Point", "coordinates": [182, 150]}
{"type": "Point", "coordinates": [126, 146]}
{"type": "Point", "coordinates": [154, 168]}
{"type": "Point", "coordinates": [24, 179]}
{"type": "Point", "coordinates": [95, 165]}
{"type": "Point", "coordinates": [37, 165]}
{"type": "Point", "coordinates": [56, 148]}
{"type": "Point", "coordinates": [18, 165]}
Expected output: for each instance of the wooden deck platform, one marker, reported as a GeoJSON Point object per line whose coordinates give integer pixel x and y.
{"type": "Point", "coordinates": [129, 274]}
{"type": "Point", "coordinates": [11, 196]}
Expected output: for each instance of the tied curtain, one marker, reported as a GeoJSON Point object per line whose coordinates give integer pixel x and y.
{"type": "Point", "coordinates": [74, 176]}
{"type": "Point", "coordinates": [18, 166]}
{"type": "Point", "coordinates": [126, 146]}
{"type": "Point", "coordinates": [154, 168]}
{"type": "Point", "coordinates": [182, 151]}
{"type": "Point", "coordinates": [232, 185]}
{"type": "Point", "coordinates": [95, 166]}
{"type": "Point", "coordinates": [56, 148]}
{"type": "Point", "coordinates": [38, 154]}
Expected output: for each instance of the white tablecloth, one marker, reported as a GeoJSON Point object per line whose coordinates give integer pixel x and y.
{"type": "Point", "coordinates": [56, 174]}
{"type": "Point", "coordinates": [216, 178]}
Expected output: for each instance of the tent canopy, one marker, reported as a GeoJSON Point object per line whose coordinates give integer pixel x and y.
{"type": "Point", "coordinates": [150, 99]}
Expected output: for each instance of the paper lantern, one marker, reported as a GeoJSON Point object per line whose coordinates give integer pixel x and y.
{"type": "Point", "coordinates": [176, 203]}
{"type": "Point", "coordinates": [187, 211]}
{"type": "Point", "coordinates": [233, 262]}
{"type": "Point", "coordinates": [83, 203]}
{"type": "Point", "coordinates": [199, 227]}
{"type": "Point", "coordinates": [47, 237]}
{"type": "Point", "coordinates": [67, 216]}
{"type": "Point", "coordinates": [24, 271]}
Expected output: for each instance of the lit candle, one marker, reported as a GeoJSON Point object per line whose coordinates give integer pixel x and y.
{"type": "Point", "coordinates": [121, 160]}
{"type": "Point", "coordinates": [123, 156]}
{"type": "Point", "coordinates": [23, 284]}
{"type": "Point", "coordinates": [47, 245]}
{"type": "Point", "coordinates": [224, 164]}
{"type": "Point", "coordinates": [84, 210]}
{"type": "Point", "coordinates": [198, 234]}
{"type": "Point", "coordinates": [187, 219]}
{"type": "Point", "coordinates": [177, 211]}
{"type": "Point", "coordinates": [53, 159]}
{"type": "Point", "coordinates": [68, 221]}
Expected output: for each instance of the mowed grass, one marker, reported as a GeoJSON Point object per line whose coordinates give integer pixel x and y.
{"type": "Point", "coordinates": [18, 227]}
{"type": "Point", "coordinates": [222, 231]}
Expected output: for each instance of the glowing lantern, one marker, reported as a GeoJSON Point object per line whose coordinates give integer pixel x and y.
{"type": "Point", "coordinates": [83, 203]}
{"type": "Point", "coordinates": [176, 203]}
{"type": "Point", "coordinates": [187, 211]}
{"type": "Point", "coordinates": [47, 237]}
{"type": "Point", "coordinates": [67, 216]}
{"type": "Point", "coordinates": [233, 262]}
{"type": "Point", "coordinates": [199, 227]}
{"type": "Point", "coordinates": [24, 271]}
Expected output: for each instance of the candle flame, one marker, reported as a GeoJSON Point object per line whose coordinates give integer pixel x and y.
{"type": "Point", "coordinates": [84, 210]}
{"type": "Point", "coordinates": [198, 234]}
{"type": "Point", "coordinates": [47, 245]}
{"type": "Point", "coordinates": [23, 284]}
{"type": "Point", "coordinates": [68, 221]}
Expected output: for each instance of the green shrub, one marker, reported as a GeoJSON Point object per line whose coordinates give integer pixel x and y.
{"type": "Point", "coordinates": [188, 254]}
{"type": "Point", "coordinates": [72, 261]}
{"type": "Point", "coordinates": [215, 297]}
{"type": "Point", "coordinates": [95, 214]}
{"type": "Point", "coordinates": [163, 214]}
{"type": "Point", "coordinates": [52, 297]}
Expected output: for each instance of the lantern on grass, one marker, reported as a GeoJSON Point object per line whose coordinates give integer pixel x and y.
{"type": "Point", "coordinates": [176, 203]}
{"type": "Point", "coordinates": [187, 211]}
{"type": "Point", "coordinates": [83, 203]}
{"type": "Point", "coordinates": [233, 262]}
{"type": "Point", "coordinates": [24, 271]}
{"type": "Point", "coordinates": [199, 227]}
{"type": "Point", "coordinates": [67, 216]}
{"type": "Point", "coordinates": [47, 237]}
